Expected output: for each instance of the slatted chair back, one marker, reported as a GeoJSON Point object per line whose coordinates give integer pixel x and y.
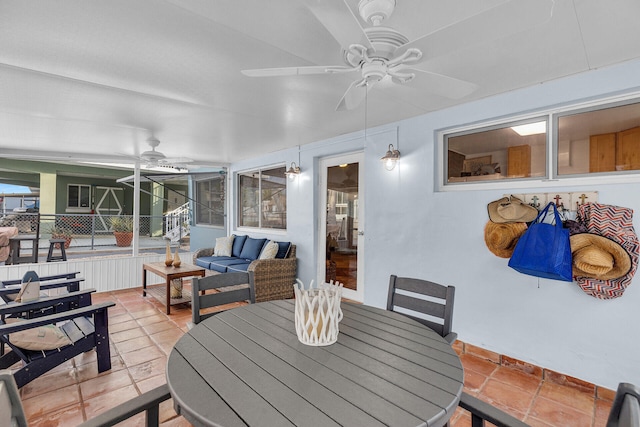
{"type": "Point", "coordinates": [11, 410]}
{"type": "Point", "coordinates": [227, 288]}
{"type": "Point", "coordinates": [427, 302]}
{"type": "Point", "coordinates": [54, 284]}
{"type": "Point", "coordinates": [625, 411]}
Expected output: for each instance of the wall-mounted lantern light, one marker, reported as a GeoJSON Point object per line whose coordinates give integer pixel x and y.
{"type": "Point", "coordinates": [391, 158]}
{"type": "Point", "coordinates": [293, 171]}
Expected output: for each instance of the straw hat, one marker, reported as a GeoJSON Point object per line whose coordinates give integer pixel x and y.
{"type": "Point", "coordinates": [511, 209]}
{"type": "Point", "coordinates": [597, 257]}
{"type": "Point", "coordinates": [501, 239]}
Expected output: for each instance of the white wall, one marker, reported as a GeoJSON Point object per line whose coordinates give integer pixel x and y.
{"type": "Point", "coordinates": [102, 274]}
{"type": "Point", "coordinates": [413, 230]}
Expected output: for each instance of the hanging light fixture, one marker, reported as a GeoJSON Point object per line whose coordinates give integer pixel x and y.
{"type": "Point", "coordinates": [293, 171]}
{"type": "Point", "coordinates": [391, 158]}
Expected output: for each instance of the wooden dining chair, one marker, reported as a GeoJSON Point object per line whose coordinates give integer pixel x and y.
{"type": "Point", "coordinates": [11, 410]}
{"type": "Point", "coordinates": [625, 410]}
{"type": "Point", "coordinates": [227, 288]}
{"type": "Point", "coordinates": [426, 302]}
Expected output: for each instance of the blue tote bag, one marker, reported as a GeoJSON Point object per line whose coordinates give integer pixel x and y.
{"type": "Point", "coordinates": [544, 249]}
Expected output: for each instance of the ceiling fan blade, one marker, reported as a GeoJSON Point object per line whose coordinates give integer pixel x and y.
{"type": "Point", "coordinates": [339, 20]}
{"type": "Point", "coordinates": [500, 21]}
{"type": "Point", "coordinates": [446, 86]}
{"type": "Point", "coordinates": [354, 96]}
{"type": "Point", "coordinates": [296, 71]}
{"type": "Point", "coordinates": [171, 160]}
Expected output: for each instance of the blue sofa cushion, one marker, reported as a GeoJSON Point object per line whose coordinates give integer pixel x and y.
{"type": "Point", "coordinates": [238, 242]}
{"type": "Point", "coordinates": [252, 248]}
{"type": "Point", "coordinates": [221, 266]}
{"type": "Point", "coordinates": [238, 267]}
{"type": "Point", "coordinates": [283, 249]}
{"type": "Point", "coordinates": [204, 261]}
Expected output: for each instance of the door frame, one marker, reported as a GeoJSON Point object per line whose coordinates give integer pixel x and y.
{"type": "Point", "coordinates": [323, 164]}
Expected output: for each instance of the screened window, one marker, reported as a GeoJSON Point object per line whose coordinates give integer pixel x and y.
{"type": "Point", "coordinates": [210, 195]}
{"type": "Point", "coordinates": [262, 198]}
{"type": "Point", "coordinates": [78, 196]}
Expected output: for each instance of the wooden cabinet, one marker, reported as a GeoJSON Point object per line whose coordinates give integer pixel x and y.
{"type": "Point", "coordinates": [454, 164]}
{"type": "Point", "coordinates": [602, 152]}
{"type": "Point", "coordinates": [628, 150]}
{"type": "Point", "coordinates": [519, 161]}
{"type": "Point", "coordinates": [615, 151]}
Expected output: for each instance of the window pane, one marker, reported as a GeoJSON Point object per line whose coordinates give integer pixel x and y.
{"type": "Point", "coordinates": [84, 196]}
{"type": "Point", "coordinates": [274, 198]}
{"type": "Point", "coordinates": [210, 201]}
{"type": "Point", "coordinates": [73, 196]}
{"type": "Point", "coordinates": [511, 151]}
{"type": "Point", "coordinates": [262, 198]}
{"type": "Point", "coordinates": [248, 215]}
{"type": "Point", "coordinates": [599, 140]}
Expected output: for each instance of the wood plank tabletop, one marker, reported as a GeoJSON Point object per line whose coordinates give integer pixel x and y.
{"type": "Point", "coordinates": [246, 367]}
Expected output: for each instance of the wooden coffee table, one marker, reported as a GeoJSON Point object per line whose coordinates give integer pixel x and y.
{"type": "Point", "coordinates": [169, 273]}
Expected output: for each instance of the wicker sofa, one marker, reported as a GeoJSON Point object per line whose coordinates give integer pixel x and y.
{"type": "Point", "coordinates": [273, 278]}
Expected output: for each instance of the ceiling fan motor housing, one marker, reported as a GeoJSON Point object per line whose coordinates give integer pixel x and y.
{"type": "Point", "coordinates": [385, 42]}
{"type": "Point", "coordinates": [152, 156]}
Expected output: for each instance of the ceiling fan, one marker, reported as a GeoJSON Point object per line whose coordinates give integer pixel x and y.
{"type": "Point", "coordinates": [153, 158]}
{"type": "Point", "coordinates": [381, 53]}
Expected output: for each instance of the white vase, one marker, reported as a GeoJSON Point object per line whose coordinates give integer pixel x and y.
{"type": "Point", "coordinates": [317, 313]}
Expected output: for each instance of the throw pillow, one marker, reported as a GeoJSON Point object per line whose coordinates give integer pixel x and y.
{"type": "Point", "coordinates": [223, 246]}
{"type": "Point", "coordinates": [238, 242]}
{"type": "Point", "coordinates": [270, 250]}
{"type": "Point", "coordinates": [252, 248]}
{"type": "Point", "coordinates": [283, 250]}
{"type": "Point", "coordinates": [48, 337]}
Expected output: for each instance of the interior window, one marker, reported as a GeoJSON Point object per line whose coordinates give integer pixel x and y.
{"type": "Point", "coordinates": [509, 151]}
{"type": "Point", "coordinates": [606, 139]}
{"type": "Point", "coordinates": [263, 198]}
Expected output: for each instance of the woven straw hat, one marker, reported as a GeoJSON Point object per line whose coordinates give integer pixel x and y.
{"type": "Point", "coordinates": [501, 239]}
{"type": "Point", "coordinates": [511, 209]}
{"type": "Point", "coordinates": [597, 257]}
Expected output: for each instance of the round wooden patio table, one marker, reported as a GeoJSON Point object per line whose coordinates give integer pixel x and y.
{"type": "Point", "coordinates": [246, 367]}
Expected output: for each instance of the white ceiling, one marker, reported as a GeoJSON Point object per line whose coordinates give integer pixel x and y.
{"type": "Point", "coordinates": [93, 79]}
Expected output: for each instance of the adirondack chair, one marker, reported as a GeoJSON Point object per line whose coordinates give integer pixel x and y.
{"type": "Point", "coordinates": [66, 335]}
{"type": "Point", "coordinates": [44, 306]}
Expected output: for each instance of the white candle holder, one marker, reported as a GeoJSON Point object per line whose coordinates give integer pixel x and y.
{"type": "Point", "coordinates": [317, 313]}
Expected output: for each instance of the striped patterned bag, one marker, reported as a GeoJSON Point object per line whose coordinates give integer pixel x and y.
{"type": "Point", "coordinates": [615, 223]}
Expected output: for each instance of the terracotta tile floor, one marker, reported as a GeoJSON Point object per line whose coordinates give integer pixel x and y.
{"type": "Point", "coordinates": [142, 336]}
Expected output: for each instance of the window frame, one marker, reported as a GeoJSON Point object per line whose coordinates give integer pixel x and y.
{"type": "Point", "coordinates": [79, 206]}
{"type": "Point", "coordinates": [238, 198]}
{"type": "Point", "coordinates": [197, 202]}
{"type": "Point", "coordinates": [552, 178]}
